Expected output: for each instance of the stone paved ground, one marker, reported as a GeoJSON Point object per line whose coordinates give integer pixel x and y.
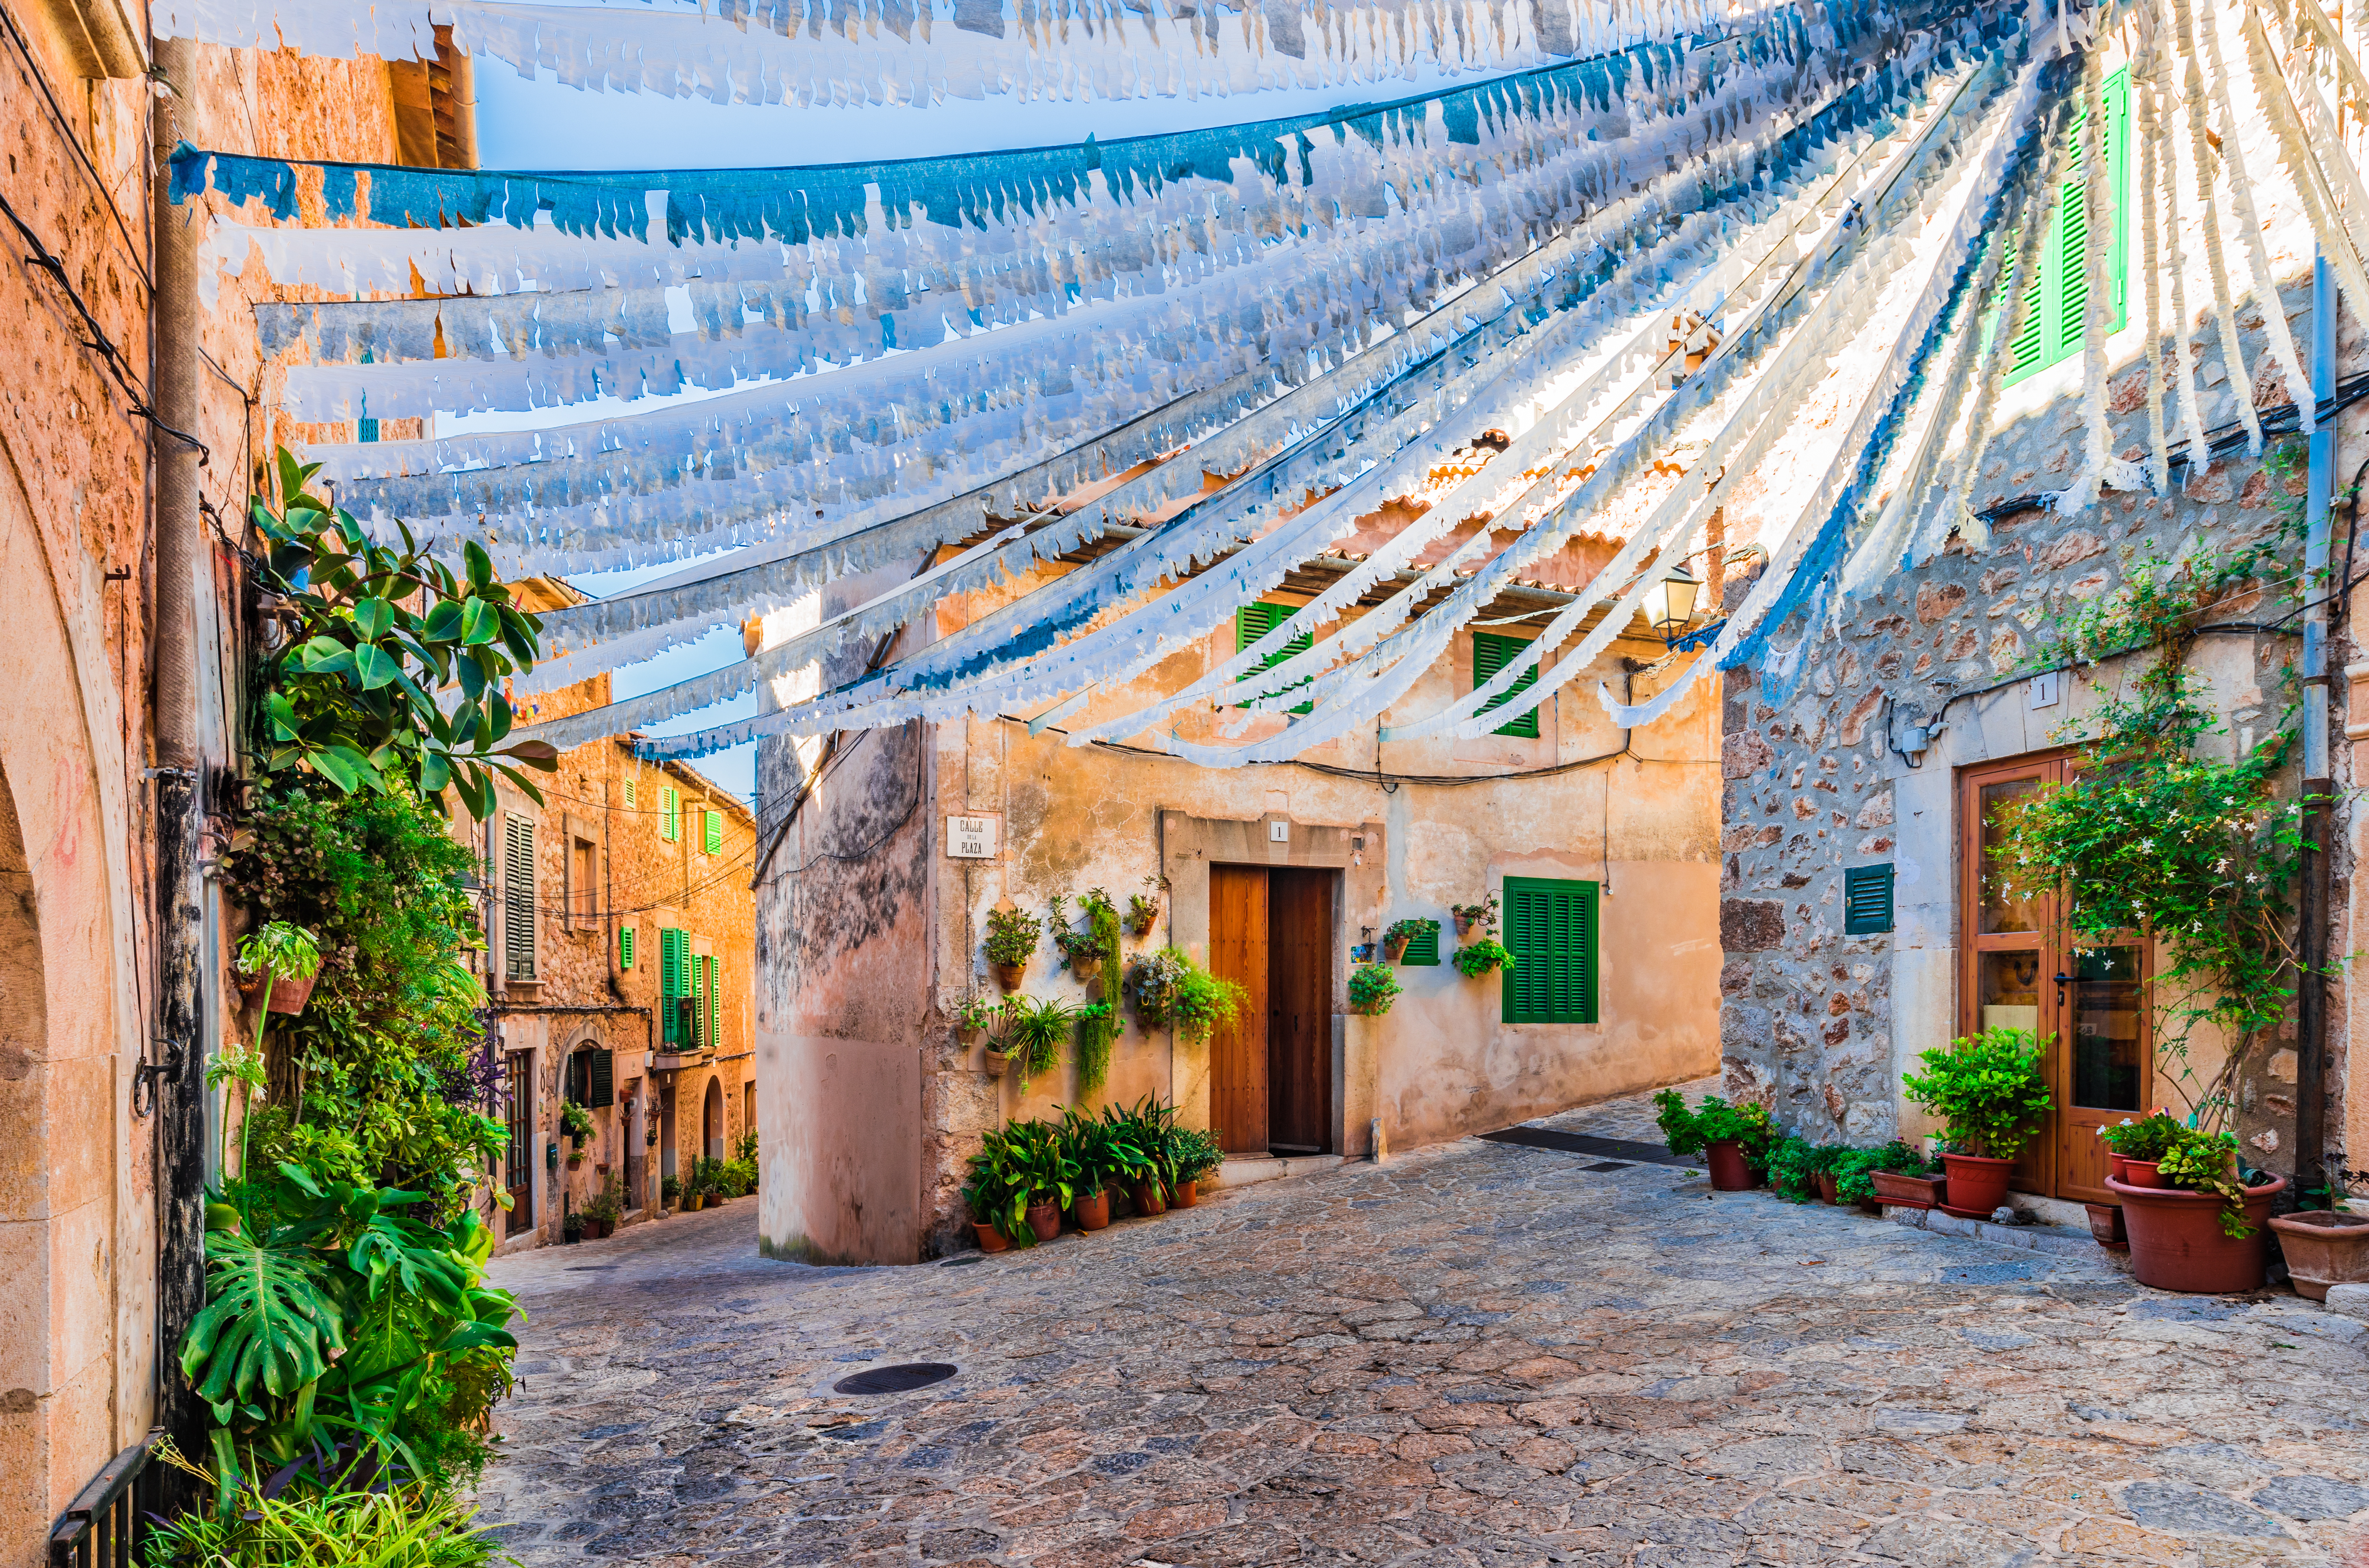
{"type": "Point", "coordinates": [1477, 1355]}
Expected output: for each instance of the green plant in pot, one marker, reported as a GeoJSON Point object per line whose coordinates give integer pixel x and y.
{"type": "Point", "coordinates": [284, 960]}
{"type": "Point", "coordinates": [1733, 1140]}
{"type": "Point", "coordinates": [1401, 931]}
{"type": "Point", "coordinates": [1480, 957]}
{"type": "Point", "coordinates": [1107, 1159]}
{"type": "Point", "coordinates": [577, 1123]}
{"type": "Point", "coordinates": [670, 1189]}
{"type": "Point", "coordinates": [1856, 1172]}
{"type": "Point", "coordinates": [1042, 1163]}
{"type": "Point", "coordinates": [1193, 1156]}
{"type": "Point", "coordinates": [1036, 1033]}
{"type": "Point", "coordinates": [1373, 989]}
{"type": "Point", "coordinates": [1012, 938]}
{"type": "Point", "coordinates": [2134, 1147]}
{"type": "Point", "coordinates": [997, 1196]}
{"type": "Point", "coordinates": [1482, 916]}
{"type": "Point", "coordinates": [1990, 1090]}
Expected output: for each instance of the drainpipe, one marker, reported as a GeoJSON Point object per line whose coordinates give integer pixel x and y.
{"type": "Point", "coordinates": [2311, 1021]}
{"type": "Point", "coordinates": [181, 569]}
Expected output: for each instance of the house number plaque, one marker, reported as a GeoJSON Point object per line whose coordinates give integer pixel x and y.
{"type": "Point", "coordinates": [971, 837]}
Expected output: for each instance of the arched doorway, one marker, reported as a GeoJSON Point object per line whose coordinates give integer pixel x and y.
{"type": "Point", "coordinates": [711, 1119]}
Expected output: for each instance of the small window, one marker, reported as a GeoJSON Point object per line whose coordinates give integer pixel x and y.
{"type": "Point", "coordinates": [2057, 294]}
{"type": "Point", "coordinates": [584, 881]}
{"type": "Point", "coordinates": [712, 833]}
{"type": "Point", "coordinates": [1867, 900]}
{"type": "Point", "coordinates": [625, 947]}
{"type": "Point", "coordinates": [1491, 653]}
{"type": "Point", "coordinates": [1551, 931]}
{"type": "Point", "coordinates": [1256, 620]}
{"type": "Point", "coordinates": [1421, 949]}
{"type": "Point", "coordinates": [670, 814]}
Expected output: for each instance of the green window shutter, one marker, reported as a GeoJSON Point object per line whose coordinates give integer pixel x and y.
{"type": "Point", "coordinates": [714, 831]}
{"type": "Point", "coordinates": [670, 983]}
{"type": "Point", "coordinates": [1867, 900]}
{"type": "Point", "coordinates": [1491, 653]}
{"type": "Point", "coordinates": [1256, 620]}
{"type": "Point", "coordinates": [1551, 931]}
{"type": "Point", "coordinates": [629, 794]}
{"type": "Point", "coordinates": [699, 1000]}
{"type": "Point", "coordinates": [2057, 297]}
{"type": "Point", "coordinates": [625, 947]}
{"type": "Point", "coordinates": [518, 897]}
{"type": "Point", "coordinates": [715, 1001]}
{"type": "Point", "coordinates": [603, 1089]}
{"type": "Point", "coordinates": [1421, 951]}
{"type": "Point", "coordinates": [670, 814]}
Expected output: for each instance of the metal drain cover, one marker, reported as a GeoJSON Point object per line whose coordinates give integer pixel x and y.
{"type": "Point", "coordinates": [901, 1379]}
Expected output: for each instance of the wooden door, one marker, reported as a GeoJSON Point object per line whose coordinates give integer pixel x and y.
{"type": "Point", "coordinates": [1299, 1010]}
{"type": "Point", "coordinates": [1238, 1051]}
{"type": "Point", "coordinates": [2020, 971]}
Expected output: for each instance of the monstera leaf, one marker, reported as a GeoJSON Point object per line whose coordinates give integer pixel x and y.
{"type": "Point", "coordinates": [269, 1324]}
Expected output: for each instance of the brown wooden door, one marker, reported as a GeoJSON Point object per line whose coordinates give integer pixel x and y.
{"type": "Point", "coordinates": [2021, 971]}
{"type": "Point", "coordinates": [1299, 1010]}
{"type": "Point", "coordinates": [1238, 1051]}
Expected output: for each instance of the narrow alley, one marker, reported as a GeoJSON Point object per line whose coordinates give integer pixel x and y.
{"type": "Point", "coordinates": [1478, 1354]}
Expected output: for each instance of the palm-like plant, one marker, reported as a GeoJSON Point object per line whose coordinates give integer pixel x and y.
{"type": "Point", "coordinates": [1105, 1149]}
{"type": "Point", "coordinates": [1035, 1034]}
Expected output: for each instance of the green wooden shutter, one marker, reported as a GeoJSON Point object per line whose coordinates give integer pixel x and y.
{"type": "Point", "coordinates": [1551, 931]}
{"type": "Point", "coordinates": [715, 1001]}
{"type": "Point", "coordinates": [672, 947]}
{"type": "Point", "coordinates": [625, 947]}
{"type": "Point", "coordinates": [1867, 900]}
{"type": "Point", "coordinates": [1256, 620]}
{"type": "Point", "coordinates": [2057, 297]}
{"type": "Point", "coordinates": [714, 831]}
{"type": "Point", "coordinates": [670, 814]}
{"type": "Point", "coordinates": [518, 897]}
{"type": "Point", "coordinates": [1421, 950]}
{"type": "Point", "coordinates": [1491, 653]}
{"type": "Point", "coordinates": [603, 1091]}
{"type": "Point", "coordinates": [629, 794]}
{"type": "Point", "coordinates": [699, 1000]}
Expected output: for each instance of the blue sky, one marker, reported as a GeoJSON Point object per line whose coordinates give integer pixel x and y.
{"type": "Point", "coordinates": [540, 123]}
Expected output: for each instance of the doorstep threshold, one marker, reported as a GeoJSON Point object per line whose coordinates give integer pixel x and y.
{"type": "Point", "coordinates": [1246, 1170]}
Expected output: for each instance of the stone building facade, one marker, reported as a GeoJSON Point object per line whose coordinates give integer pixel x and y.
{"type": "Point", "coordinates": [128, 457]}
{"type": "Point", "coordinates": [620, 956]}
{"type": "Point", "coordinates": [873, 910]}
{"type": "Point", "coordinates": [1931, 697]}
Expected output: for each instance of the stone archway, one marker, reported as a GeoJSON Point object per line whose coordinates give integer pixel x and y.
{"type": "Point", "coordinates": [711, 1120]}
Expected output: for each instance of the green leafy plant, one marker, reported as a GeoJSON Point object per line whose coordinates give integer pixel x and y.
{"type": "Point", "coordinates": [394, 677]}
{"type": "Point", "coordinates": [1201, 1003]}
{"type": "Point", "coordinates": [1037, 1032]}
{"type": "Point", "coordinates": [607, 1205]}
{"type": "Point", "coordinates": [412, 1526]}
{"type": "Point", "coordinates": [670, 1188]}
{"type": "Point", "coordinates": [997, 1192]}
{"type": "Point", "coordinates": [985, 1014]}
{"type": "Point", "coordinates": [576, 1121]}
{"type": "Point", "coordinates": [1793, 1168]}
{"type": "Point", "coordinates": [1483, 914]}
{"type": "Point", "coordinates": [1142, 910]}
{"type": "Point", "coordinates": [1988, 1088]}
{"type": "Point", "coordinates": [2146, 1138]}
{"type": "Point", "coordinates": [1149, 1125]}
{"type": "Point", "coordinates": [1099, 1023]}
{"type": "Point", "coordinates": [1481, 956]}
{"type": "Point", "coordinates": [1193, 1152]}
{"type": "Point", "coordinates": [1854, 1169]}
{"type": "Point", "coordinates": [1372, 989]}
{"type": "Point", "coordinates": [1152, 981]}
{"type": "Point", "coordinates": [1011, 935]}
{"type": "Point", "coordinates": [278, 950]}
{"type": "Point", "coordinates": [1409, 929]}
{"type": "Point", "coordinates": [1104, 1150]}
{"type": "Point", "coordinates": [2207, 1163]}
{"type": "Point", "coordinates": [1714, 1121]}
{"type": "Point", "coordinates": [744, 1148]}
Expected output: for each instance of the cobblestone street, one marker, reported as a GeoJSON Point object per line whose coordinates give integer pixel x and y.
{"type": "Point", "coordinates": [1474, 1355]}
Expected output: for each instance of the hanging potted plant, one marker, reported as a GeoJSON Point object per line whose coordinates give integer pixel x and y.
{"type": "Point", "coordinates": [979, 1018]}
{"type": "Point", "coordinates": [1086, 951]}
{"type": "Point", "coordinates": [1989, 1090]}
{"type": "Point", "coordinates": [1035, 1035]}
{"type": "Point", "coordinates": [1012, 936]}
{"type": "Point", "coordinates": [1143, 912]}
{"type": "Point", "coordinates": [1482, 915]}
{"type": "Point", "coordinates": [577, 1123]}
{"type": "Point", "coordinates": [1401, 932]}
{"type": "Point", "coordinates": [285, 960]}
{"type": "Point", "coordinates": [1733, 1140]}
{"type": "Point", "coordinates": [1198, 1002]}
{"type": "Point", "coordinates": [1482, 956]}
{"type": "Point", "coordinates": [1372, 989]}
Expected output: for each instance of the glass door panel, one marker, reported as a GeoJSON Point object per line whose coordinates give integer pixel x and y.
{"type": "Point", "coordinates": [2002, 905]}
{"type": "Point", "coordinates": [2107, 1078]}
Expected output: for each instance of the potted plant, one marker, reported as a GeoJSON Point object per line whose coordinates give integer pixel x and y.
{"type": "Point", "coordinates": [1902, 1177]}
{"type": "Point", "coordinates": [744, 1153]}
{"type": "Point", "coordinates": [1193, 1156]}
{"type": "Point", "coordinates": [1143, 913]}
{"type": "Point", "coordinates": [1035, 1033]}
{"type": "Point", "coordinates": [2323, 1247]}
{"type": "Point", "coordinates": [1732, 1138]}
{"type": "Point", "coordinates": [1859, 1173]}
{"type": "Point", "coordinates": [1012, 936]}
{"type": "Point", "coordinates": [2134, 1148]}
{"type": "Point", "coordinates": [1152, 981]}
{"type": "Point", "coordinates": [997, 1196]}
{"type": "Point", "coordinates": [1791, 1168]}
{"type": "Point", "coordinates": [976, 1016]}
{"type": "Point", "coordinates": [669, 1191]}
{"type": "Point", "coordinates": [1401, 932]}
{"type": "Point", "coordinates": [1080, 950]}
{"type": "Point", "coordinates": [2202, 1230]}
{"type": "Point", "coordinates": [1988, 1088]}
{"type": "Point", "coordinates": [1372, 989]}
{"type": "Point", "coordinates": [1149, 1125]}
{"type": "Point", "coordinates": [1043, 1163]}
{"type": "Point", "coordinates": [571, 1229]}
{"type": "Point", "coordinates": [283, 962]}
{"type": "Point", "coordinates": [577, 1123]}
{"type": "Point", "coordinates": [1103, 1157]}
{"type": "Point", "coordinates": [602, 1214]}
{"type": "Point", "coordinates": [1482, 914]}
{"type": "Point", "coordinates": [1482, 956]}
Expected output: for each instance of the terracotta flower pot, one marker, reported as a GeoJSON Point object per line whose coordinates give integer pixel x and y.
{"type": "Point", "coordinates": [2176, 1239]}
{"type": "Point", "coordinates": [1464, 925]}
{"type": "Point", "coordinates": [1087, 968]}
{"type": "Point", "coordinates": [1977, 1185]}
{"type": "Point", "coordinates": [1825, 1180]}
{"type": "Point", "coordinates": [1394, 947]}
{"type": "Point", "coordinates": [1181, 1195]}
{"type": "Point", "coordinates": [991, 1240]}
{"type": "Point", "coordinates": [1044, 1218]}
{"type": "Point", "coordinates": [1148, 1200]}
{"type": "Point", "coordinates": [1908, 1192]}
{"type": "Point", "coordinates": [2139, 1174]}
{"type": "Point", "coordinates": [1730, 1172]}
{"type": "Point", "coordinates": [1122, 1205]}
{"type": "Point", "coordinates": [290, 995]}
{"type": "Point", "coordinates": [1091, 1210]}
{"type": "Point", "coordinates": [2106, 1225]}
{"type": "Point", "coordinates": [2117, 1166]}
{"type": "Point", "coordinates": [1008, 975]}
{"type": "Point", "coordinates": [998, 1063]}
{"type": "Point", "coordinates": [2324, 1247]}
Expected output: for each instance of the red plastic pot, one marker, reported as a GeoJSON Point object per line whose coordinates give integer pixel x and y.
{"type": "Point", "coordinates": [1978, 1184]}
{"type": "Point", "coordinates": [2176, 1239]}
{"type": "Point", "coordinates": [2138, 1173]}
{"type": "Point", "coordinates": [991, 1240]}
{"type": "Point", "coordinates": [1730, 1172]}
{"type": "Point", "coordinates": [1044, 1218]}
